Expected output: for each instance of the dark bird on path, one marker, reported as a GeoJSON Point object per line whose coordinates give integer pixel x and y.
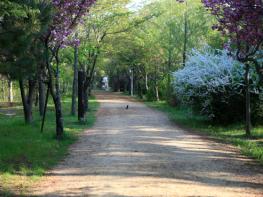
{"type": "Point", "coordinates": [127, 107]}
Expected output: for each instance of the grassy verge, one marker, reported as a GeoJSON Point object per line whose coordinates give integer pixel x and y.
{"type": "Point", "coordinates": [25, 153]}
{"type": "Point", "coordinates": [234, 134]}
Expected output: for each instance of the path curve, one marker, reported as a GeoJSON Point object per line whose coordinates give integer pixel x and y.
{"type": "Point", "coordinates": [139, 152]}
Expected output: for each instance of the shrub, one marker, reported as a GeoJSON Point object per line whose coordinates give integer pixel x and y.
{"type": "Point", "coordinates": [212, 83]}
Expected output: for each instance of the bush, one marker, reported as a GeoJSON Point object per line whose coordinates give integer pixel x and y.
{"type": "Point", "coordinates": [212, 83]}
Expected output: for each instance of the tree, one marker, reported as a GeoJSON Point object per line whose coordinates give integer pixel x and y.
{"type": "Point", "coordinates": [169, 37]}
{"type": "Point", "coordinates": [106, 20]}
{"type": "Point", "coordinates": [242, 22]}
{"type": "Point", "coordinates": [67, 14]}
{"type": "Point", "coordinates": [75, 81]}
{"type": "Point", "coordinates": [19, 52]}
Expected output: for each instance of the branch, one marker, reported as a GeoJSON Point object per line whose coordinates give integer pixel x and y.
{"type": "Point", "coordinates": [137, 23]}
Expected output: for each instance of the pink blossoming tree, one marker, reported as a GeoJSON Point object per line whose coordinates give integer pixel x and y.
{"type": "Point", "coordinates": [242, 22]}
{"type": "Point", "coordinates": [66, 15]}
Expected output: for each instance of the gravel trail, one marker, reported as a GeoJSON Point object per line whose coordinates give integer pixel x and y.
{"type": "Point", "coordinates": [139, 152]}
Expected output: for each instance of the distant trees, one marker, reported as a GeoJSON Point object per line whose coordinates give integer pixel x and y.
{"type": "Point", "coordinates": [158, 46]}
{"type": "Point", "coordinates": [106, 21]}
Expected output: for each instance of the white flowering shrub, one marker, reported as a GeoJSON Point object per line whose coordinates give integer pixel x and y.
{"type": "Point", "coordinates": [212, 82]}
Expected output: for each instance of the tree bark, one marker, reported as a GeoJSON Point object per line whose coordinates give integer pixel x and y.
{"type": "Point", "coordinates": [54, 88]}
{"type": "Point", "coordinates": [81, 106]}
{"type": "Point", "coordinates": [41, 93]}
{"type": "Point", "coordinates": [75, 83]}
{"type": "Point", "coordinates": [27, 100]}
{"type": "Point", "coordinates": [59, 117]}
{"type": "Point", "coordinates": [132, 83]}
{"type": "Point", "coordinates": [157, 93]}
{"type": "Point", "coordinates": [248, 105]}
{"type": "Point", "coordinates": [36, 99]}
{"type": "Point", "coordinates": [185, 34]}
{"type": "Point", "coordinates": [146, 82]}
{"type": "Point", "coordinates": [57, 102]}
{"type": "Point", "coordinates": [10, 91]}
{"type": "Point", "coordinates": [3, 90]}
{"type": "Point", "coordinates": [86, 99]}
{"type": "Point", "coordinates": [168, 93]}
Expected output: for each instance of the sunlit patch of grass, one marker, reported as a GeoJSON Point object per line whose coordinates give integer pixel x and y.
{"type": "Point", "coordinates": [25, 153]}
{"type": "Point", "coordinates": [234, 134]}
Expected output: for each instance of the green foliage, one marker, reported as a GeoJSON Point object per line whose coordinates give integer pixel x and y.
{"type": "Point", "coordinates": [156, 47]}
{"type": "Point", "coordinates": [212, 83]}
{"type": "Point", "coordinates": [11, 8]}
{"type": "Point", "coordinates": [22, 24]}
{"type": "Point", "coordinates": [24, 151]}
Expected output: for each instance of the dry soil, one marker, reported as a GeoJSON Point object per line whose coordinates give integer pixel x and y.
{"type": "Point", "coordinates": [139, 152]}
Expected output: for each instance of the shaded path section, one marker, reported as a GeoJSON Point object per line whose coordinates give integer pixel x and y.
{"type": "Point", "coordinates": [139, 152]}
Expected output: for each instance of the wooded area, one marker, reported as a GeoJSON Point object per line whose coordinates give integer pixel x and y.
{"type": "Point", "coordinates": [199, 61]}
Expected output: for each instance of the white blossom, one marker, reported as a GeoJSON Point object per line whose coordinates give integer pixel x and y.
{"type": "Point", "coordinates": [206, 72]}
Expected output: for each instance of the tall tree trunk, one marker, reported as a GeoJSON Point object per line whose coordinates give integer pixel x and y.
{"type": "Point", "coordinates": [3, 90]}
{"type": "Point", "coordinates": [81, 106]}
{"type": "Point", "coordinates": [10, 91]}
{"type": "Point", "coordinates": [54, 89]}
{"type": "Point", "coordinates": [86, 99]}
{"type": "Point", "coordinates": [168, 93]}
{"type": "Point", "coordinates": [185, 33]}
{"type": "Point", "coordinates": [57, 102]}
{"type": "Point", "coordinates": [75, 83]}
{"type": "Point", "coordinates": [146, 82]}
{"type": "Point", "coordinates": [27, 100]}
{"type": "Point", "coordinates": [248, 106]}
{"type": "Point", "coordinates": [132, 83]}
{"type": "Point", "coordinates": [36, 99]}
{"type": "Point", "coordinates": [59, 117]}
{"type": "Point", "coordinates": [41, 93]}
{"type": "Point", "coordinates": [140, 90]}
{"type": "Point", "coordinates": [157, 93]}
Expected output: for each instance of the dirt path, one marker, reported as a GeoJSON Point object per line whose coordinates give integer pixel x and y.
{"type": "Point", "coordinates": [139, 152]}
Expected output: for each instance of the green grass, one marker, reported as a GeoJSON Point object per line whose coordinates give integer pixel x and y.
{"type": "Point", "coordinates": [234, 134]}
{"type": "Point", "coordinates": [25, 153]}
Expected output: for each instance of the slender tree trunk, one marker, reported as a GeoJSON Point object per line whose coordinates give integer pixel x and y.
{"type": "Point", "coordinates": [27, 100]}
{"type": "Point", "coordinates": [132, 83]}
{"type": "Point", "coordinates": [185, 34]}
{"type": "Point", "coordinates": [45, 107]}
{"type": "Point", "coordinates": [54, 90]}
{"type": "Point", "coordinates": [168, 94]}
{"type": "Point", "coordinates": [36, 99]}
{"type": "Point", "coordinates": [146, 82]}
{"type": "Point", "coordinates": [3, 90]}
{"type": "Point", "coordinates": [41, 93]}
{"type": "Point", "coordinates": [57, 102]}
{"type": "Point", "coordinates": [58, 110]}
{"type": "Point", "coordinates": [86, 99]}
{"type": "Point", "coordinates": [248, 106]}
{"type": "Point", "coordinates": [157, 93]}
{"type": "Point", "coordinates": [59, 117]}
{"type": "Point", "coordinates": [75, 83]}
{"type": "Point", "coordinates": [156, 84]}
{"type": "Point", "coordinates": [81, 106]}
{"type": "Point", "coordinates": [259, 69]}
{"type": "Point", "coordinates": [140, 90]}
{"type": "Point", "coordinates": [10, 91]}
